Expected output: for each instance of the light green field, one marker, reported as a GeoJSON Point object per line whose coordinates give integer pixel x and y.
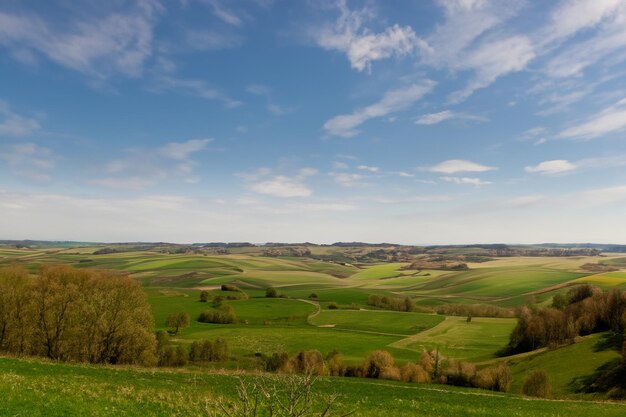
{"type": "Point", "coordinates": [377, 321]}
{"type": "Point", "coordinates": [476, 341]}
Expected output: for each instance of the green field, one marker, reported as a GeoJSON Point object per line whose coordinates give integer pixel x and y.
{"type": "Point", "coordinates": [301, 320]}
{"type": "Point", "coordinates": [36, 388]}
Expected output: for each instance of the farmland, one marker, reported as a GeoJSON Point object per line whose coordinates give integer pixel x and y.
{"type": "Point", "coordinates": [324, 305]}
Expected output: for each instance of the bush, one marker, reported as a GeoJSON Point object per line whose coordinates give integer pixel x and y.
{"type": "Point", "coordinates": [537, 384]}
{"type": "Point", "coordinates": [230, 287]}
{"type": "Point", "coordinates": [333, 306]}
{"type": "Point", "coordinates": [412, 372]}
{"type": "Point", "coordinates": [207, 351]}
{"type": "Point", "coordinates": [204, 296]}
{"type": "Point", "coordinates": [225, 314]}
{"type": "Point", "coordinates": [313, 296]}
{"type": "Point", "coordinates": [497, 378]}
{"type": "Point", "coordinates": [271, 292]}
{"type": "Point", "coordinates": [308, 362]}
{"type": "Point", "coordinates": [377, 361]}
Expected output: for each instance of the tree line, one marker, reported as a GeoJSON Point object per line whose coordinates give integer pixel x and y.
{"type": "Point", "coordinates": [584, 309]}
{"type": "Point", "coordinates": [430, 367]}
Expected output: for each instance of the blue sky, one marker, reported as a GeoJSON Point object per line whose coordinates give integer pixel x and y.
{"type": "Point", "coordinates": [420, 122]}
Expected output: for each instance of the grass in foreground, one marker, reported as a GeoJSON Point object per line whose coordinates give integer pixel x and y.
{"type": "Point", "coordinates": [35, 388]}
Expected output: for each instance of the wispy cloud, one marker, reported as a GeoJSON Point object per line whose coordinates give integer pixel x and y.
{"type": "Point", "coordinates": [194, 87]}
{"type": "Point", "coordinates": [393, 101]}
{"type": "Point", "coordinates": [13, 124]}
{"type": "Point", "coordinates": [368, 168]}
{"type": "Point", "coordinates": [465, 180]}
{"type": "Point", "coordinates": [30, 161]}
{"type": "Point", "coordinates": [97, 45]}
{"type": "Point", "coordinates": [454, 166]}
{"type": "Point", "coordinates": [442, 116]}
{"type": "Point", "coordinates": [143, 168]}
{"type": "Point", "coordinates": [611, 119]}
{"type": "Point", "coordinates": [561, 166]}
{"type": "Point", "coordinates": [347, 179]}
{"type": "Point", "coordinates": [264, 181]}
{"type": "Point", "coordinates": [349, 35]}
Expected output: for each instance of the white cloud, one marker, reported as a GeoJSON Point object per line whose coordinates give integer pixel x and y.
{"type": "Point", "coordinates": [493, 60]}
{"type": "Point", "coordinates": [360, 44]}
{"type": "Point", "coordinates": [454, 166]}
{"type": "Point", "coordinates": [147, 167]}
{"type": "Point", "coordinates": [571, 17]}
{"type": "Point", "coordinates": [182, 150]}
{"type": "Point", "coordinates": [368, 168]}
{"type": "Point", "coordinates": [224, 14]}
{"type": "Point", "coordinates": [194, 87]}
{"type": "Point", "coordinates": [465, 180]}
{"type": "Point", "coordinates": [435, 118]}
{"type": "Point", "coordinates": [605, 195]}
{"type": "Point", "coordinates": [346, 179]}
{"type": "Point", "coordinates": [95, 45]}
{"type": "Point", "coordinates": [412, 199]}
{"type": "Point", "coordinates": [30, 161]}
{"type": "Point", "coordinates": [13, 124]}
{"type": "Point", "coordinates": [281, 186]}
{"type": "Point", "coordinates": [393, 101]}
{"type": "Point", "coordinates": [523, 201]}
{"type": "Point", "coordinates": [557, 166]}
{"type": "Point", "coordinates": [610, 120]}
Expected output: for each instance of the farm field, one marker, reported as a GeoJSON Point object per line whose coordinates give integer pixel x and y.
{"type": "Point", "coordinates": [300, 318]}
{"type": "Point", "coordinates": [36, 388]}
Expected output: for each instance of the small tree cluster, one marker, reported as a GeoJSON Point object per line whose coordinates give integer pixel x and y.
{"type": "Point", "coordinates": [224, 314]}
{"type": "Point", "coordinates": [200, 351]}
{"type": "Point", "coordinates": [392, 303]}
{"type": "Point", "coordinates": [177, 321]}
{"type": "Point", "coordinates": [475, 310]}
{"type": "Point", "coordinates": [584, 309]}
{"type": "Point", "coordinates": [76, 315]}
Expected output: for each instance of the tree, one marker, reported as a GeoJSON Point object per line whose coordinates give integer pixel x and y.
{"type": "Point", "coordinates": [178, 321]}
{"type": "Point", "coordinates": [204, 296]}
{"type": "Point", "coordinates": [537, 384]}
{"type": "Point", "coordinates": [271, 292]}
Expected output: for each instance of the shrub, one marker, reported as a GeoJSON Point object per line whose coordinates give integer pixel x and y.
{"type": "Point", "coordinates": [207, 351]}
{"type": "Point", "coordinates": [307, 362]}
{"type": "Point", "coordinates": [377, 361]}
{"type": "Point", "coordinates": [412, 372]}
{"type": "Point", "coordinates": [271, 292]}
{"type": "Point", "coordinates": [313, 296]}
{"type": "Point", "coordinates": [333, 306]}
{"type": "Point", "coordinates": [225, 314]}
{"type": "Point", "coordinates": [230, 287]}
{"type": "Point", "coordinates": [496, 378]}
{"type": "Point", "coordinates": [391, 373]}
{"type": "Point", "coordinates": [537, 384]}
{"type": "Point", "coordinates": [204, 296]}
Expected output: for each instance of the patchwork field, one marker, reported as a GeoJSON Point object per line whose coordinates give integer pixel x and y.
{"type": "Point", "coordinates": [300, 319]}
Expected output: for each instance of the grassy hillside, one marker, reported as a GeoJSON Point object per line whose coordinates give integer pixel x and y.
{"type": "Point", "coordinates": [35, 388]}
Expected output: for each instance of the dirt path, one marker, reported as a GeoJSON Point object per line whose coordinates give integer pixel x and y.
{"type": "Point", "coordinates": [317, 311]}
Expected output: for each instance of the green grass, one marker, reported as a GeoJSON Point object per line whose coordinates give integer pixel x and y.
{"type": "Point", "coordinates": [565, 364]}
{"type": "Point", "coordinates": [377, 321]}
{"type": "Point", "coordinates": [33, 388]}
{"type": "Point", "coordinates": [476, 341]}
